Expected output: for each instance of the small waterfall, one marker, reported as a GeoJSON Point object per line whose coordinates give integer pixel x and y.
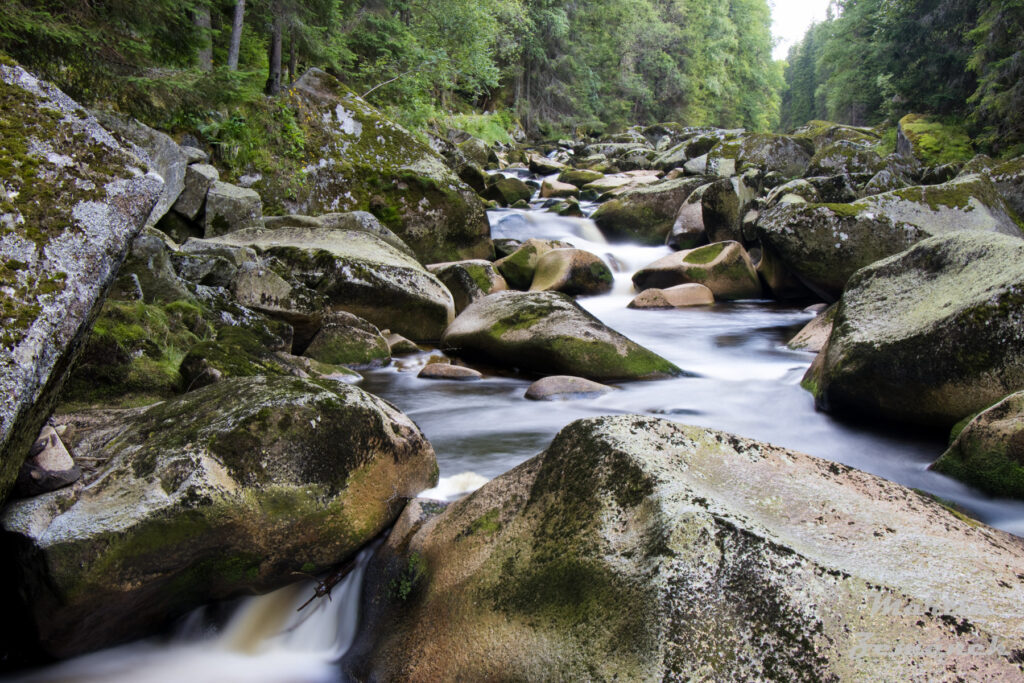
{"type": "Point", "coordinates": [265, 639]}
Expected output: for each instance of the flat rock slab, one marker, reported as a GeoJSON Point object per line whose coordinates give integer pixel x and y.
{"type": "Point", "coordinates": [565, 388]}
{"type": "Point", "coordinates": [448, 371]}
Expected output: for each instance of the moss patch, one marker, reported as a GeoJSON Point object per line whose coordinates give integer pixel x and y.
{"type": "Point", "coordinates": [936, 142]}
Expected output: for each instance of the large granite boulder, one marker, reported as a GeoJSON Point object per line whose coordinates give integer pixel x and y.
{"type": "Point", "coordinates": [230, 208]}
{"type": "Point", "coordinates": [547, 332]}
{"type": "Point", "coordinates": [847, 158]}
{"type": "Point", "coordinates": [575, 272]}
{"type": "Point", "coordinates": [988, 453]}
{"type": "Point", "coordinates": [930, 335]}
{"type": "Point", "coordinates": [234, 489]}
{"type": "Point", "coordinates": [639, 549]}
{"type": "Point", "coordinates": [355, 159]}
{"type": "Point", "coordinates": [357, 272]}
{"type": "Point", "coordinates": [469, 280]}
{"type": "Point", "coordinates": [644, 214]}
{"type": "Point", "coordinates": [71, 201]}
{"type": "Point", "coordinates": [824, 244]}
{"type": "Point", "coordinates": [1008, 177]}
{"type": "Point", "coordinates": [519, 267]}
{"type": "Point", "coordinates": [784, 154]}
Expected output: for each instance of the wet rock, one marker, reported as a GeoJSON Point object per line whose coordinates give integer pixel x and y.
{"type": "Point", "coordinates": [230, 208]}
{"type": "Point", "coordinates": [69, 213]}
{"type": "Point", "coordinates": [356, 272]}
{"type": "Point", "coordinates": [548, 332]}
{"type": "Point", "coordinates": [468, 281]}
{"type": "Point", "coordinates": [518, 268]}
{"type": "Point", "coordinates": [48, 467]}
{"type": "Point", "coordinates": [680, 296]}
{"type": "Point", "coordinates": [572, 271]}
{"type": "Point", "coordinates": [989, 451]}
{"type": "Point", "coordinates": [640, 549]}
{"type": "Point", "coordinates": [346, 339]}
{"type": "Point", "coordinates": [199, 178]}
{"type": "Point", "coordinates": [565, 388]}
{"type": "Point", "coordinates": [929, 335]}
{"type": "Point", "coordinates": [645, 214]}
{"type": "Point", "coordinates": [448, 371]}
{"type": "Point", "coordinates": [239, 488]}
{"type": "Point", "coordinates": [724, 267]}
{"type": "Point", "coordinates": [814, 335]}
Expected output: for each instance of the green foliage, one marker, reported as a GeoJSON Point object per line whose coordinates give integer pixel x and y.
{"type": "Point", "coordinates": [490, 128]}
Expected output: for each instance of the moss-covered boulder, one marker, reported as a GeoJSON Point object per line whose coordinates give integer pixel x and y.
{"type": "Point", "coordinates": [469, 281]}
{"type": "Point", "coordinates": [352, 158]}
{"type": "Point", "coordinates": [518, 267]}
{"type": "Point", "coordinates": [547, 332]}
{"type": "Point", "coordinates": [645, 214]}
{"type": "Point", "coordinates": [988, 453]}
{"type": "Point", "coordinates": [346, 339]}
{"type": "Point", "coordinates": [575, 272]}
{"type": "Point", "coordinates": [508, 191]}
{"type": "Point", "coordinates": [579, 176]}
{"type": "Point", "coordinates": [554, 189]}
{"type": "Point", "coordinates": [71, 201]}
{"type": "Point", "coordinates": [846, 157]}
{"type": "Point", "coordinates": [824, 244]}
{"type": "Point", "coordinates": [357, 272]}
{"type": "Point", "coordinates": [929, 335]}
{"type": "Point", "coordinates": [239, 488]}
{"type": "Point", "coordinates": [1008, 177]}
{"type": "Point", "coordinates": [723, 267]}
{"type": "Point", "coordinates": [932, 142]}
{"type": "Point", "coordinates": [638, 549]}
{"type": "Point", "coordinates": [237, 350]}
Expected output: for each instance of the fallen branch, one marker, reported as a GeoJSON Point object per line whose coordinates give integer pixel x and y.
{"type": "Point", "coordinates": [325, 586]}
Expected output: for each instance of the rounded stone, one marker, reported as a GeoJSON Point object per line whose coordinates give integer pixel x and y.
{"type": "Point", "coordinates": [680, 296]}
{"type": "Point", "coordinates": [448, 371]}
{"type": "Point", "coordinates": [565, 387]}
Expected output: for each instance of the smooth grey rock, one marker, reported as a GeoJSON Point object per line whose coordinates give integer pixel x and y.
{"type": "Point", "coordinates": [449, 371]}
{"type": "Point", "coordinates": [565, 388]}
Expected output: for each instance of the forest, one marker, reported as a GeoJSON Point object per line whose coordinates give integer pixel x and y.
{"type": "Point", "coordinates": [553, 67]}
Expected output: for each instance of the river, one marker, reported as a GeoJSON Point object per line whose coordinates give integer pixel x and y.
{"type": "Point", "coordinates": [745, 381]}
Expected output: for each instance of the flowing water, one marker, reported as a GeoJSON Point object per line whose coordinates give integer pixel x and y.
{"type": "Point", "coordinates": [745, 381]}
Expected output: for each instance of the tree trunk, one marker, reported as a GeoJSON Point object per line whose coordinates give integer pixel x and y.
{"type": "Point", "coordinates": [273, 86]}
{"type": "Point", "coordinates": [204, 57]}
{"type": "Point", "coordinates": [293, 56]}
{"type": "Point", "coordinates": [236, 35]}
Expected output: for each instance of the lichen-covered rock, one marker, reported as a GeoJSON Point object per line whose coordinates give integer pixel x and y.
{"type": "Point", "coordinates": [355, 159]}
{"type": "Point", "coordinates": [468, 281]}
{"type": "Point", "coordinates": [783, 154]}
{"type": "Point", "coordinates": [645, 214]}
{"type": "Point", "coordinates": [355, 271]}
{"type": "Point", "coordinates": [548, 332]}
{"type": "Point", "coordinates": [884, 181]}
{"type": "Point", "coordinates": [158, 151]}
{"type": "Point", "coordinates": [575, 272]}
{"type": "Point", "coordinates": [989, 451]}
{"type": "Point", "coordinates": [198, 180]}
{"type": "Point", "coordinates": [723, 267]}
{"type": "Point", "coordinates": [71, 201]}
{"type": "Point", "coordinates": [565, 388]}
{"type": "Point", "coordinates": [824, 244]}
{"type": "Point", "coordinates": [148, 273]}
{"type": "Point", "coordinates": [794, 188]}
{"type": "Point", "coordinates": [679, 296]}
{"type": "Point", "coordinates": [346, 339]}
{"type": "Point", "coordinates": [929, 335]}
{"type": "Point", "coordinates": [230, 208]}
{"type": "Point", "coordinates": [49, 466]}
{"type": "Point", "coordinates": [930, 142]}
{"type": "Point", "coordinates": [1008, 177]}
{"type": "Point", "coordinates": [845, 157]}
{"type": "Point", "coordinates": [542, 165]}
{"type": "Point", "coordinates": [639, 549]}
{"type": "Point", "coordinates": [518, 267]}
{"type": "Point", "coordinates": [234, 489]}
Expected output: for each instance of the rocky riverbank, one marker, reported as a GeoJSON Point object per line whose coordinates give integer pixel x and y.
{"type": "Point", "coordinates": [210, 438]}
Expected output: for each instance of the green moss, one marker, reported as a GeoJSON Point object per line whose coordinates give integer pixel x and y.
{"type": "Point", "coordinates": [601, 360]}
{"type": "Point", "coordinates": [843, 210]}
{"type": "Point", "coordinates": [487, 524]}
{"type": "Point", "coordinates": [936, 142]}
{"type": "Point", "coordinates": [705, 254]}
{"type": "Point", "coordinates": [411, 577]}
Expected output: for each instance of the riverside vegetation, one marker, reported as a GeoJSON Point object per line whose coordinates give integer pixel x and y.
{"type": "Point", "coordinates": [187, 313]}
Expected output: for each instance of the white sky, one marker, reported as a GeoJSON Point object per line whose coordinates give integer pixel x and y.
{"type": "Point", "coordinates": [791, 19]}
